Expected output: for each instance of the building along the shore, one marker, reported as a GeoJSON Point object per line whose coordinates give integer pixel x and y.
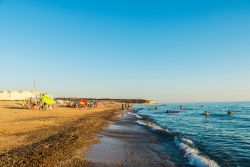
{"type": "Point", "coordinates": [18, 95]}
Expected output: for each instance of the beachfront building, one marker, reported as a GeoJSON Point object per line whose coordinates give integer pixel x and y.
{"type": "Point", "coordinates": [18, 95]}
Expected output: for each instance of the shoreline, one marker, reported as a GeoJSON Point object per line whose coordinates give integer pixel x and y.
{"type": "Point", "coordinates": [127, 143]}
{"type": "Point", "coordinates": [61, 145]}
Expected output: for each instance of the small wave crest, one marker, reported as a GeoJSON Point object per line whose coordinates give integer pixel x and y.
{"type": "Point", "coordinates": [141, 122]}
{"type": "Point", "coordinates": [188, 141]}
{"type": "Point", "coordinates": [193, 155]}
{"type": "Point", "coordinates": [195, 158]}
{"type": "Point", "coordinates": [151, 125]}
{"type": "Point", "coordinates": [137, 115]}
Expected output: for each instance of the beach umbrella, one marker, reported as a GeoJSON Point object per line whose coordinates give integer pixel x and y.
{"type": "Point", "coordinates": [47, 100]}
{"type": "Point", "coordinates": [83, 102]}
{"type": "Point", "coordinates": [91, 102]}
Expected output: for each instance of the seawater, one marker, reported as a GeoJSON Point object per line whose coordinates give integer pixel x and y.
{"type": "Point", "coordinates": [218, 140]}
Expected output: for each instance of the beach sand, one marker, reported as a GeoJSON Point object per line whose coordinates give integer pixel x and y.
{"type": "Point", "coordinates": [50, 138]}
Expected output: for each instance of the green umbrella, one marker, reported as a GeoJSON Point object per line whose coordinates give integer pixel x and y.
{"type": "Point", "coordinates": [47, 100]}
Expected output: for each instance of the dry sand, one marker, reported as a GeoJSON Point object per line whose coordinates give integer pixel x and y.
{"type": "Point", "coordinates": [50, 138]}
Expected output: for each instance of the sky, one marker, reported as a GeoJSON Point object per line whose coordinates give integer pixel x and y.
{"type": "Point", "coordinates": [166, 50]}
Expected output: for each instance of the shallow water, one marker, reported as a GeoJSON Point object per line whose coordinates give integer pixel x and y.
{"type": "Point", "coordinates": [126, 143]}
{"type": "Point", "coordinates": [218, 140]}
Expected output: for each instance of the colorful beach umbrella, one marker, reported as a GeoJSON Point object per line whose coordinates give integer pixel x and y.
{"type": "Point", "coordinates": [47, 100]}
{"type": "Point", "coordinates": [82, 102]}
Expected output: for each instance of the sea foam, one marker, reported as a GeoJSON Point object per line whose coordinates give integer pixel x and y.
{"type": "Point", "coordinates": [188, 141]}
{"type": "Point", "coordinates": [151, 125]}
{"type": "Point", "coordinates": [193, 155]}
{"type": "Point", "coordinates": [137, 116]}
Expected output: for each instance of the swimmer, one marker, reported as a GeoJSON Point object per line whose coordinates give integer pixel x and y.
{"type": "Point", "coordinates": [206, 113]}
{"type": "Point", "coordinates": [183, 108]}
{"type": "Point", "coordinates": [230, 113]}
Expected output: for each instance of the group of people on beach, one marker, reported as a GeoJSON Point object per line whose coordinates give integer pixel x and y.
{"type": "Point", "coordinates": [82, 103]}
{"type": "Point", "coordinates": [125, 106]}
{"type": "Point", "coordinates": [44, 101]}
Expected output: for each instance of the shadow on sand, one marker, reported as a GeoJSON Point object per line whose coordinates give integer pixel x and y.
{"type": "Point", "coordinates": [14, 107]}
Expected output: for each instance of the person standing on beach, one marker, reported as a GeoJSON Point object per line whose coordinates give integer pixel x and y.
{"type": "Point", "coordinates": [123, 109]}
{"type": "Point", "coordinates": [127, 107]}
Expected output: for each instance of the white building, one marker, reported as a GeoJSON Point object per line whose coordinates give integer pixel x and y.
{"type": "Point", "coordinates": [17, 95]}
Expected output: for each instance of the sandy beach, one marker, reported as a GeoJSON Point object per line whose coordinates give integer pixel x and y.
{"type": "Point", "coordinates": [50, 138]}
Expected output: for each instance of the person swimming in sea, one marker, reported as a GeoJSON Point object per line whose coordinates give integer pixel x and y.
{"type": "Point", "coordinates": [230, 113]}
{"type": "Point", "coordinates": [183, 108]}
{"type": "Point", "coordinates": [206, 113]}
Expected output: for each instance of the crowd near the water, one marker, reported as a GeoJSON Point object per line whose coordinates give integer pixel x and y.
{"type": "Point", "coordinates": [41, 102]}
{"type": "Point", "coordinates": [47, 102]}
{"type": "Point", "coordinates": [126, 106]}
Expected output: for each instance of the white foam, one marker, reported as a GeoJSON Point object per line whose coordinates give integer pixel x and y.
{"type": "Point", "coordinates": [137, 116]}
{"type": "Point", "coordinates": [188, 141]}
{"type": "Point", "coordinates": [151, 125]}
{"type": "Point", "coordinates": [194, 156]}
{"type": "Point", "coordinates": [141, 123]}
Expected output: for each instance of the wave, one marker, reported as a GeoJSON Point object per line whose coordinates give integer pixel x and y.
{"type": "Point", "coordinates": [188, 141]}
{"type": "Point", "coordinates": [193, 155]}
{"type": "Point", "coordinates": [141, 122]}
{"type": "Point", "coordinates": [137, 115]}
{"type": "Point", "coordinates": [152, 125]}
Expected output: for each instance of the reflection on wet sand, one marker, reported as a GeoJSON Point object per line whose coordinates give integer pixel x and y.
{"type": "Point", "coordinates": [126, 143]}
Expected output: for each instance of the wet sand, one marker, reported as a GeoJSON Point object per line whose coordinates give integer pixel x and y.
{"type": "Point", "coordinates": [125, 143]}
{"type": "Point", "coordinates": [50, 138]}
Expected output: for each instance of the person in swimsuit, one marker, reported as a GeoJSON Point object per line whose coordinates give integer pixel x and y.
{"type": "Point", "coordinates": [206, 113]}
{"type": "Point", "coordinates": [230, 113]}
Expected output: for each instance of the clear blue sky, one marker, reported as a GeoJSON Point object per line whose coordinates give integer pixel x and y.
{"type": "Point", "coordinates": [167, 50]}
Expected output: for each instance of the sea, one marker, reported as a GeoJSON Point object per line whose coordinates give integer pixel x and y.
{"type": "Point", "coordinates": [197, 140]}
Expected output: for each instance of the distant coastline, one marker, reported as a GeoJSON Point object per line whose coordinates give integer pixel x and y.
{"type": "Point", "coordinates": [137, 101]}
